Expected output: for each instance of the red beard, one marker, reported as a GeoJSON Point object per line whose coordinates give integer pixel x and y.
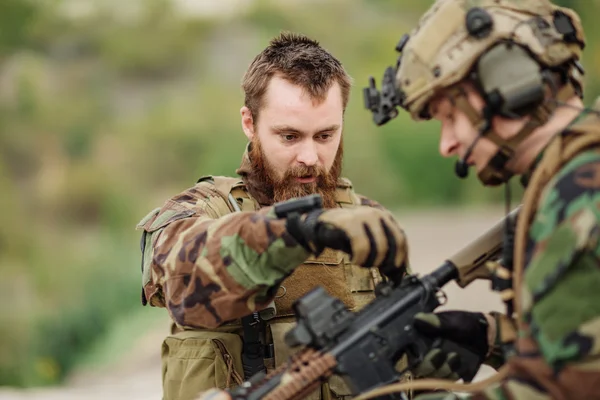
{"type": "Point", "coordinates": [287, 187]}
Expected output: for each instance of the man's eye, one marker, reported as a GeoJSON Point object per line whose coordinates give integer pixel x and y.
{"type": "Point", "coordinates": [323, 137]}
{"type": "Point", "coordinates": [288, 137]}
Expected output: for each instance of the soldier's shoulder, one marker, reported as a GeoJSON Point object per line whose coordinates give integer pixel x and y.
{"type": "Point", "coordinates": [203, 198]}
{"type": "Point", "coordinates": [208, 189]}
{"type": "Point", "coordinates": [583, 168]}
{"type": "Point", "coordinates": [575, 186]}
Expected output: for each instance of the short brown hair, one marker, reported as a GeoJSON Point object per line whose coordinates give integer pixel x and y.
{"type": "Point", "coordinates": [301, 61]}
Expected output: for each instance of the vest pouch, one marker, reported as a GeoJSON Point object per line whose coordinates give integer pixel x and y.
{"type": "Point", "coordinates": [327, 270]}
{"type": "Point", "coordinates": [194, 361]}
{"type": "Point", "coordinates": [361, 282]}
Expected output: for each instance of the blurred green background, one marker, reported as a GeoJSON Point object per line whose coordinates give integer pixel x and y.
{"type": "Point", "coordinates": [109, 107]}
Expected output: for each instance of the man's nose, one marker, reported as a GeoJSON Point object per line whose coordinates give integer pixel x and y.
{"type": "Point", "coordinates": [307, 154]}
{"type": "Point", "coordinates": [448, 144]}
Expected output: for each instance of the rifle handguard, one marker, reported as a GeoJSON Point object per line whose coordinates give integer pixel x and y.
{"type": "Point", "coordinates": [292, 381]}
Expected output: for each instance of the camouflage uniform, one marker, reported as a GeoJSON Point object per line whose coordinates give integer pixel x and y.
{"type": "Point", "coordinates": [209, 266]}
{"type": "Point", "coordinates": [557, 352]}
{"type": "Point", "coordinates": [555, 286]}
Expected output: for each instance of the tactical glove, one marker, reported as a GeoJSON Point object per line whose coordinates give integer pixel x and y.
{"type": "Point", "coordinates": [464, 344]}
{"type": "Point", "coordinates": [371, 236]}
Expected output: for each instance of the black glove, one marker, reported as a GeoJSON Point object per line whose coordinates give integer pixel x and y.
{"type": "Point", "coordinates": [464, 344]}
{"type": "Point", "coordinates": [370, 236]}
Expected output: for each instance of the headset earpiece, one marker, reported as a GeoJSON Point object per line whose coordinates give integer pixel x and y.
{"type": "Point", "coordinates": [510, 80]}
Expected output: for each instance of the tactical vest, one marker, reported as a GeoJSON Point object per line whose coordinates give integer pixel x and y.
{"type": "Point", "coordinates": [582, 136]}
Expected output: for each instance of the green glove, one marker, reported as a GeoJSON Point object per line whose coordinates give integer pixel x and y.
{"type": "Point", "coordinates": [464, 344]}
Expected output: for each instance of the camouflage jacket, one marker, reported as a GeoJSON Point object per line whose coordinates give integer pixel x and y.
{"type": "Point", "coordinates": [208, 265]}
{"type": "Point", "coordinates": [558, 346]}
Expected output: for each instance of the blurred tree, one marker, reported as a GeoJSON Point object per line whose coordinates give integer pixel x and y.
{"type": "Point", "coordinates": [15, 19]}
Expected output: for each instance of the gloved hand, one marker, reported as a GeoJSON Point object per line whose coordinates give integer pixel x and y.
{"type": "Point", "coordinates": [469, 333]}
{"type": "Point", "coordinates": [371, 236]}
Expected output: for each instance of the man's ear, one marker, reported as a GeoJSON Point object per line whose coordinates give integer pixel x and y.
{"type": "Point", "coordinates": [247, 122]}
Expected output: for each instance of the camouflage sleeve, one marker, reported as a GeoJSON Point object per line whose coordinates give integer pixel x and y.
{"type": "Point", "coordinates": [560, 347]}
{"type": "Point", "coordinates": [208, 270]}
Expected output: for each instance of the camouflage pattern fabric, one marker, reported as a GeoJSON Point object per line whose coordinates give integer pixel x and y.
{"type": "Point", "coordinates": [559, 340]}
{"type": "Point", "coordinates": [207, 271]}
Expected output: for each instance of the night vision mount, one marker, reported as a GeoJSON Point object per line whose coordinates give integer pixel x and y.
{"type": "Point", "coordinates": [384, 104]}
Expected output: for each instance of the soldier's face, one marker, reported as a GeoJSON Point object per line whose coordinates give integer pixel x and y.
{"type": "Point", "coordinates": [296, 130]}
{"type": "Point", "coordinates": [457, 133]}
{"type": "Point", "coordinates": [297, 139]}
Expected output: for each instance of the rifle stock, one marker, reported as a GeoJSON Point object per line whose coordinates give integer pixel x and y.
{"type": "Point", "coordinates": [364, 347]}
{"type": "Point", "coordinates": [472, 260]}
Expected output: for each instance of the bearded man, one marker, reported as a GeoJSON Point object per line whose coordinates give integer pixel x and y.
{"type": "Point", "coordinates": [221, 263]}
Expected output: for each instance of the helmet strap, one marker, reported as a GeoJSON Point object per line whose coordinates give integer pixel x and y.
{"type": "Point", "coordinates": [495, 172]}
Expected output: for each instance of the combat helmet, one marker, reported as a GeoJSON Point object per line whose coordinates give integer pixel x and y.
{"type": "Point", "coordinates": [520, 54]}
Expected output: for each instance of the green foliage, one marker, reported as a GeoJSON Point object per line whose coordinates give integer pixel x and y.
{"type": "Point", "coordinates": [15, 18]}
{"type": "Point", "coordinates": [104, 116]}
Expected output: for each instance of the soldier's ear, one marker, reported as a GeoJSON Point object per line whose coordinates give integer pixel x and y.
{"type": "Point", "coordinates": [247, 122]}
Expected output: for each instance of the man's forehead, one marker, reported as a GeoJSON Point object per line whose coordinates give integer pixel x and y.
{"type": "Point", "coordinates": [290, 105]}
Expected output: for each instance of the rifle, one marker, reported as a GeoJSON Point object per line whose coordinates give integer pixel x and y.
{"type": "Point", "coordinates": [364, 347]}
